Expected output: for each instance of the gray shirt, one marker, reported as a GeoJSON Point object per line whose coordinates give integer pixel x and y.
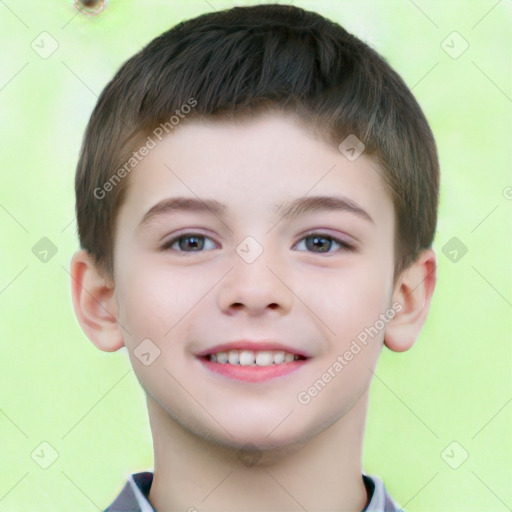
{"type": "Point", "coordinates": [135, 495]}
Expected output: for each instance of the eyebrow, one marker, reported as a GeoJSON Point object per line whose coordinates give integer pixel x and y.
{"type": "Point", "coordinates": [289, 210]}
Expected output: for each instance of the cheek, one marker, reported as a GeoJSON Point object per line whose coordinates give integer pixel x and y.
{"type": "Point", "coordinates": [350, 299]}
{"type": "Point", "coordinates": [368, 293]}
{"type": "Point", "coordinates": [158, 302]}
{"type": "Point", "coordinates": [149, 302]}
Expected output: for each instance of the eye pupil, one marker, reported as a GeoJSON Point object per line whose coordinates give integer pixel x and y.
{"type": "Point", "coordinates": [318, 241]}
{"type": "Point", "coordinates": [194, 242]}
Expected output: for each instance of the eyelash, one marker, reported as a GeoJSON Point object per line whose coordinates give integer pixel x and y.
{"type": "Point", "coordinates": [344, 246]}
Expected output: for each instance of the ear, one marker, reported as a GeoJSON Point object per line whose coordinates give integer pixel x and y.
{"type": "Point", "coordinates": [95, 303]}
{"type": "Point", "coordinates": [413, 290]}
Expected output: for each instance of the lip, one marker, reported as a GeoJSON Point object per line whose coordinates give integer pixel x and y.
{"type": "Point", "coordinates": [255, 346]}
{"type": "Point", "coordinates": [253, 373]}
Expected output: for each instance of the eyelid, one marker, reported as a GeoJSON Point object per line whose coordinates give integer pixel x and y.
{"type": "Point", "coordinates": [346, 244]}
{"type": "Point", "coordinates": [323, 232]}
{"type": "Point", "coordinates": [182, 234]}
{"type": "Point", "coordinates": [185, 231]}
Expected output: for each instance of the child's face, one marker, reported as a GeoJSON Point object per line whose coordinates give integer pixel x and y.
{"type": "Point", "coordinates": [312, 295]}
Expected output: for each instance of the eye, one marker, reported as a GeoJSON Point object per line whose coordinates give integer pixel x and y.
{"type": "Point", "coordinates": [314, 242]}
{"type": "Point", "coordinates": [322, 243]}
{"type": "Point", "coordinates": [193, 241]}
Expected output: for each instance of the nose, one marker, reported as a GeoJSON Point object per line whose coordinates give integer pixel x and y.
{"type": "Point", "coordinates": [255, 287]}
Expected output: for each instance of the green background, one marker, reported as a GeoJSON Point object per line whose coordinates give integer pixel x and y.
{"type": "Point", "coordinates": [454, 385]}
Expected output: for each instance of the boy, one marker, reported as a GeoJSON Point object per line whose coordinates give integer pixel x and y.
{"type": "Point", "coordinates": [305, 177]}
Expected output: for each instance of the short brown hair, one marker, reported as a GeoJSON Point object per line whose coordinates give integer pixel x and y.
{"type": "Point", "coordinates": [238, 62]}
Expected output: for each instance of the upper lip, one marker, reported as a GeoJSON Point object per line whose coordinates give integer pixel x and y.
{"type": "Point", "coordinates": [254, 346]}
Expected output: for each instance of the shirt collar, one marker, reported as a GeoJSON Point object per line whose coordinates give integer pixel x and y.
{"type": "Point", "coordinates": [140, 487]}
{"type": "Point", "coordinates": [135, 495]}
{"type": "Point", "coordinates": [380, 500]}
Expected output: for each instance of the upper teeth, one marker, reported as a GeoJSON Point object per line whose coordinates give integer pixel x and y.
{"type": "Point", "coordinates": [250, 357]}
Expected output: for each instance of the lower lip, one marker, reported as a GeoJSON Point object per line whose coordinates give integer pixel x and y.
{"type": "Point", "coordinates": [253, 373]}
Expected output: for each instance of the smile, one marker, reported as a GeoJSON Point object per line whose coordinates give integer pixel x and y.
{"type": "Point", "coordinates": [251, 357]}
{"type": "Point", "coordinates": [253, 366]}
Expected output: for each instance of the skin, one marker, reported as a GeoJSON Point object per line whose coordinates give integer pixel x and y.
{"type": "Point", "coordinates": [299, 455]}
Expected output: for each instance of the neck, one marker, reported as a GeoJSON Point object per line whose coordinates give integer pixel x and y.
{"type": "Point", "coordinates": [321, 473]}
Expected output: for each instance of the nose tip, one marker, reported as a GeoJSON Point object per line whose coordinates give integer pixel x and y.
{"type": "Point", "coordinates": [254, 288]}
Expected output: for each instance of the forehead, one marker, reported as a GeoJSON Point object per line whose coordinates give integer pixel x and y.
{"type": "Point", "coordinates": [255, 166]}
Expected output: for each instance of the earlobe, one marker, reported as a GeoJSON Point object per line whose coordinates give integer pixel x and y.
{"type": "Point", "coordinates": [95, 303]}
{"type": "Point", "coordinates": [413, 291]}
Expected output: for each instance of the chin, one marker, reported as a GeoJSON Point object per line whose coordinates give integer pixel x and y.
{"type": "Point", "coordinates": [271, 433]}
